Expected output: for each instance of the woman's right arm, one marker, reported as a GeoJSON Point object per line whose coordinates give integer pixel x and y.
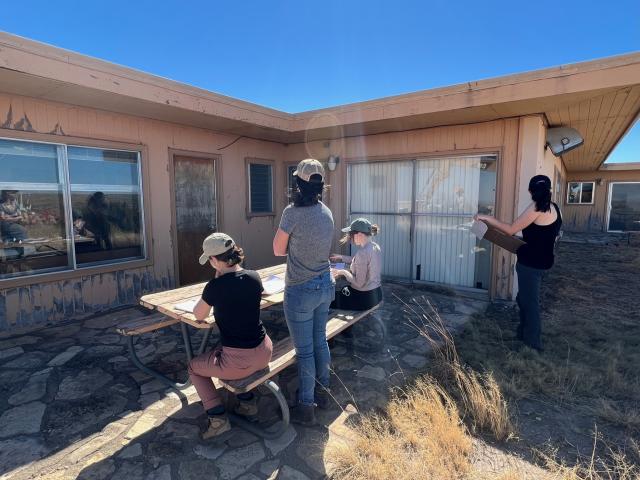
{"type": "Point", "coordinates": [522, 222]}
{"type": "Point", "coordinates": [280, 243]}
{"type": "Point", "coordinates": [202, 310]}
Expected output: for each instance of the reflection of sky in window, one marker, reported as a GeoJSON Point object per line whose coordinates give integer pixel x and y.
{"type": "Point", "coordinates": [28, 162]}
{"type": "Point", "coordinates": [104, 167]}
{"type": "Point", "coordinates": [628, 150]}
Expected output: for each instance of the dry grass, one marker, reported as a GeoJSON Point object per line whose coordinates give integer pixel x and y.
{"type": "Point", "coordinates": [420, 437]}
{"type": "Point", "coordinates": [615, 465]}
{"type": "Point", "coordinates": [589, 371]}
{"type": "Point", "coordinates": [479, 395]}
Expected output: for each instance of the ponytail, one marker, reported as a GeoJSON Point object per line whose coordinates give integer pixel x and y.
{"type": "Point", "coordinates": [231, 257]}
{"type": "Point", "coordinates": [308, 193]}
{"type": "Point", "coordinates": [540, 189]}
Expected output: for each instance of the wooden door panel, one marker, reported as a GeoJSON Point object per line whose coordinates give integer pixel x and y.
{"type": "Point", "coordinates": [195, 214]}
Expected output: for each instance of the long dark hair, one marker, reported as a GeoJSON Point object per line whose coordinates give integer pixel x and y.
{"type": "Point", "coordinates": [540, 189]}
{"type": "Point", "coordinates": [308, 193]}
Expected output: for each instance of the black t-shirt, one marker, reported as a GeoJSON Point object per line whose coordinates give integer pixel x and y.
{"type": "Point", "coordinates": [235, 298]}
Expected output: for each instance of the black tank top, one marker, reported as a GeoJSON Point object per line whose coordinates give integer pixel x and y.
{"type": "Point", "coordinates": [537, 252]}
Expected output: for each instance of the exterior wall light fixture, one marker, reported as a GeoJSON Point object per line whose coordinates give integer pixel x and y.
{"type": "Point", "coordinates": [332, 162]}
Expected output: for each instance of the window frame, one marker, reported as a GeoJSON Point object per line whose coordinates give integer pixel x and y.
{"type": "Point", "coordinates": [259, 161]}
{"type": "Point", "coordinates": [77, 271]}
{"type": "Point", "coordinates": [581, 182]}
{"type": "Point", "coordinates": [287, 167]}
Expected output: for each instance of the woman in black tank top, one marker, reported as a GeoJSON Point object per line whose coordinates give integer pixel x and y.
{"type": "Point", "coordinates": [535, 257]}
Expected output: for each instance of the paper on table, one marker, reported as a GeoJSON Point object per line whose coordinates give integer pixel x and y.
{"type": "Point", "coordinates": [187, 306]}
{"type": "Point", "coordinates": [273, 285]}
{"type": "Point", "coordinates": [338, 266]}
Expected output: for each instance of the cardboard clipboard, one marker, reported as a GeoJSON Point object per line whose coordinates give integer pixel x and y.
{"type": "Point", "coordinates": [511, 243]}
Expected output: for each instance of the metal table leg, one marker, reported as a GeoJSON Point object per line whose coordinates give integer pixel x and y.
{"type": "Point", "coordinates": [155, 374]}
{"type": "Point", "coordinates": [188, 350]}
{"type": "Point", "coordinates": [261, 432]}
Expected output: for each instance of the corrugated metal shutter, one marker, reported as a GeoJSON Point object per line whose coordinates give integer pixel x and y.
{"type": "Point", "coordinates": [440, 248]}
{"type": "Point", "coordinates": [381, 192]}
{"type": "Point", "coordinates": [446, 200]}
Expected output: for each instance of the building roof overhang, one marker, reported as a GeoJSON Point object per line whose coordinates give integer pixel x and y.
{"type": "Point", "coordinates": [599, 98]}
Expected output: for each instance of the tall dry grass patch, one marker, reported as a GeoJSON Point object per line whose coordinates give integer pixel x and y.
{"type": "Point", "coordinates": [420, 436]}
{"type": "Point", "coordinates": [479, 395]}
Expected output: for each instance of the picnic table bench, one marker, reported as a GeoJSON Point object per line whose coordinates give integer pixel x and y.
{"type": "Point", "coordinates": [163, 304]}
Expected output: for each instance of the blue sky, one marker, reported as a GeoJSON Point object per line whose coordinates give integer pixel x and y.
{"type": "Point", "coordinates": [299, 55]}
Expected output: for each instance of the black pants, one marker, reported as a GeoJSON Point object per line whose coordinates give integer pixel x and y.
{"type": "Point", "coordinates": [530, 328]}
{"type": "Point", "coordinates": [348, 298]}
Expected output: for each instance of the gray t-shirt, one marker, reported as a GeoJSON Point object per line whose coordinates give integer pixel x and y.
{"type": "Point", "coordinates": [310, 232]}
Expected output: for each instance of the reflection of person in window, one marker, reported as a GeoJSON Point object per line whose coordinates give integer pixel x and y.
{"type": "Point", "coordinates": [11, 218]}
{"type": "Point", "coordinates": [97, 220]}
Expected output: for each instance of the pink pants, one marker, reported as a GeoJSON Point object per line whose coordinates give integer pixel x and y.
{"type": "Point", "coordinates": [227, 363]}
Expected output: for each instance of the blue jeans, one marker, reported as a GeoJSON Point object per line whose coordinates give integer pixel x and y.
{"type": "Point", "coordinates": [306, 308]}
{"type": "Point", "coordinates": [530, 328]}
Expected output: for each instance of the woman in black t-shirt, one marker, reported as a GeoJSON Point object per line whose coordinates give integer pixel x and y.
{"type": "Point", "coordinates": [235, 295]}
{"type": "Point", "coordinates": [540, 225]}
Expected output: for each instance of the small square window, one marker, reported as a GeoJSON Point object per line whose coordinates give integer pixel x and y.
{"type": "Point", "coordinates": [580, 193]}
{"type": "Point", "coordinates": [260, 189]}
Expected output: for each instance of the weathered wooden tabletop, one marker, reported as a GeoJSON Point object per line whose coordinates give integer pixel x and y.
{"type": "Point", "coordinates": [166, 301]}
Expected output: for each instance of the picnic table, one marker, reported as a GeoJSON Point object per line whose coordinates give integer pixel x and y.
{"type": "Point", "coordinates": [166, 314]}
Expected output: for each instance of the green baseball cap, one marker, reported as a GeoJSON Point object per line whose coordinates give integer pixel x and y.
{"type": "Point", "coordinates": [361, 225]}
{"type": "Point", "coordinates": [215, 244]}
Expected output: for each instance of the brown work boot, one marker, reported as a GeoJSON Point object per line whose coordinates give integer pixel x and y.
{"type": "Point", "coordinates": [218, 424]}
{"type": "Point", "coordinates": [247, 409]}
{"type": "Point", "coordinates": [304, 415]}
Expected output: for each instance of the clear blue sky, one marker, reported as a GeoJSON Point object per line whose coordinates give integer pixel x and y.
{"type": "Point", "coordinates": [303, 54]}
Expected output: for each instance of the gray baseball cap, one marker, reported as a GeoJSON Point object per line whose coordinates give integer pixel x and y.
{"type": "Point", "coordinates": [215, 244]}
{"type": "Point", "coordinates": [360, 225]}
{"type": "Point", "coordinates": [308, 167]}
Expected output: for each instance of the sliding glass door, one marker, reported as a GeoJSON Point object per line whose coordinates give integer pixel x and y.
{"type": "Point", "coordinates": [624, 207]}
{"type": "Point", "coordinates": [425, 208]}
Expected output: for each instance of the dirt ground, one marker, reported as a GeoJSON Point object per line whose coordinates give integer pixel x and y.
{"type": "Point", "coordinates": [587, 380]}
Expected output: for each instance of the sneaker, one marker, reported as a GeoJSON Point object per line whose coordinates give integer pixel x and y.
{"type": "Point", "coordinates": [218, 425]}
{"type": "Point", "coordinates": [247, 409]}
{"type": "Point", "coordinates": [304, 415]}
{"type": "Point", "coordinates": [322, 397]}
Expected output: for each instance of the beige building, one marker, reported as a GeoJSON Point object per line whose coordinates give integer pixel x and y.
{"type": "Point", "coordinates": [114, 176]}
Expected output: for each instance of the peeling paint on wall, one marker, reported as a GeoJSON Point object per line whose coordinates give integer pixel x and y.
{"type": "Point", "coordinates": [49, 303]}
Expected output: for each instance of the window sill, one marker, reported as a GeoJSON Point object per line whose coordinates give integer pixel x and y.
{"type": "Point", "coordinates": [265, 214]}
{"type": "Point", "coordinates": [52, 277]}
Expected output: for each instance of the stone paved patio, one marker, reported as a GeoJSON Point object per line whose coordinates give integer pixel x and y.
{"type": "Point", "coordinates": [72, 405]}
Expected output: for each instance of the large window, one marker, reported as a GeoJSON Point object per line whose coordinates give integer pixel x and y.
{"type": "Point", "coordinates": [580, 193]}
{"type": "Point", "coordinates": [260, 188]}
{"type": "Point", "coordinates": [65, 207]}
{"type": "Point", "coordinates": [624, 207]}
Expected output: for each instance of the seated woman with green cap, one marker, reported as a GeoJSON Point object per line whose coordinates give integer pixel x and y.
{"type": "Point", "coordinates": [363, 276]}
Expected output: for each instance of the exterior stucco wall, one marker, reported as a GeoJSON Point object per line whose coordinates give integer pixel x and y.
{"type": "Point", "coordinates": [46, 301]}
{"type": "Point", "coordinates": [593, 218]}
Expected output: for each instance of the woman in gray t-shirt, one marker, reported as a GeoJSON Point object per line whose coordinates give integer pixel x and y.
{"type": "Point", "coordinates": [304, 237]}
